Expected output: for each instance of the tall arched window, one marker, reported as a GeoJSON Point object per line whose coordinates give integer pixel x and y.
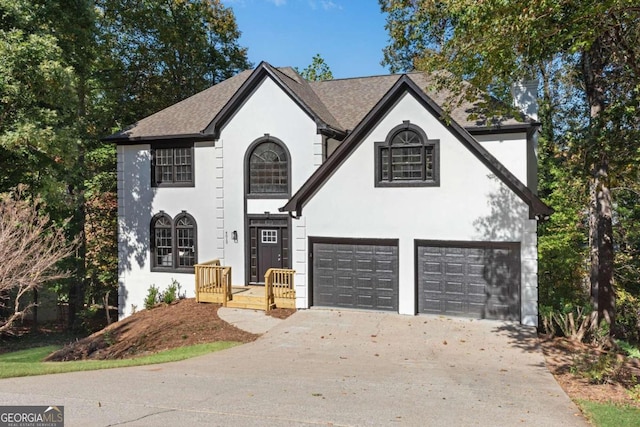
{"type": "Point", "coordinates": [173, 242]}
{"type": "Point", "coordinates": [407, 158]}
{"type": "Point", "coordinates": [268, 168]}
{"type": "Point", "coordinates": [185, 240]}
{"type": "Point", "coordinates": [162, 241]}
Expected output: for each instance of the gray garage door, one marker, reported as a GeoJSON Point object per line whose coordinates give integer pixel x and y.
{"type": "Point", "coordinates": [478, 280]}
{"type": "Point", "coordinates": [355, 273]}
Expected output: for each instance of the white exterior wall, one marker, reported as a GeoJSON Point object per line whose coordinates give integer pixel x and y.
{"type": "Point", "coordinates": [510, 149]}
{"type": "Point", "coordinates": [271, 111]}
{"type": "Point", "coordinates": [138, 202]}
{"type": "Point", "coordinates": [470, 204]}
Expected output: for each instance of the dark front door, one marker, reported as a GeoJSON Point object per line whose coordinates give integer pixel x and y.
{"type": "Point", "coordinates": [268, 246]}
{"type": "Point", "coordinates": [269, 250]}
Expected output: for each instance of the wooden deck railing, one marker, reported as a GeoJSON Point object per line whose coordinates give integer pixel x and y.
{"type": "Point", "coordinates": [213, 282]}
{"type": "Point", "coordinates": [278, 285]}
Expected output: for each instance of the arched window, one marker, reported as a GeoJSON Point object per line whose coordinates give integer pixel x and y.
{"type": "Point", "coordinates": [407, 158]}
{"type": "Point", "coordinates": [173, 242]}
{"type": "Point", "coordinates": [185, 240]}
{"type": "Point", "coordinates": [162, 241]}
{"type": "Point", "coordinates": [268, 168]}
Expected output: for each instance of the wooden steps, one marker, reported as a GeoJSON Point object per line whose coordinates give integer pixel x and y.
{"type": "Point", "coordinates": [254, 302]}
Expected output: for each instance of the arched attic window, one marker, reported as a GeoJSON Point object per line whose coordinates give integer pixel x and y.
{"type": "Point", "coordinates": [407, 158]}
{"type": "Point", "coordinates": [268, 169]}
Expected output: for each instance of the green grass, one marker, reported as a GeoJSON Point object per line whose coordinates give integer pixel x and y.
{"type": "Point", "coordinates": [610, 415]}
{"type": "Point", "coordinates": [29, 362]}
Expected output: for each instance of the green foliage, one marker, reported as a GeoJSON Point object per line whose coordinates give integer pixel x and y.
{"type": "Point", "coordinates": [627, 325]}
{"type": "Point", "coordinates": [631, 350]}
{"type": "Point", "coordinates": [317, 71]}
{"type": "Point", "coordinates": [598, 368]}
{"type": "Point", "coordinates": [152, 298]}
{"type": "Point", "coordinates": [72, 73]}
{"type": "Point", "coordinates": [163, 52]}
{"type": "Point", "coordinates": [155, 296]}
{"type": "Point", "coordinates": [172, 293]}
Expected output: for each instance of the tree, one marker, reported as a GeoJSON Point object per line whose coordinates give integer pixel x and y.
{"type": "Point", "coordinates": [317, 71]}
{"type": "Point", "coordinates": [30, 248]}
{"type": "Point", "coordinates": [160, 52]}
{"type": "Point", "coordinates": [492, 44]}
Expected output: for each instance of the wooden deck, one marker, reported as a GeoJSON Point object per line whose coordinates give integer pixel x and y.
{"type": "Point", "coordinates": [213, 284]}
{"type": "Point", "coordinates": [253, 297]}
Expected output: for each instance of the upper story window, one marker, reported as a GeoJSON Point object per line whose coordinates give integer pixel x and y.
{"type": "Point", "coordinates": [172, 165]}
{"type": "Point", "coordinates": [173, 243]}
{"type": "Point", "coordinates": [407, 158]}
{"type": "Point", "coordinates": [268, 169]}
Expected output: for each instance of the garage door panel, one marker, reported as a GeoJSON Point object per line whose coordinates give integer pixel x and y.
{"type": "Point", "coordinates": [472, 281]}
{"type": "Point", "coordinates": [362, 276]}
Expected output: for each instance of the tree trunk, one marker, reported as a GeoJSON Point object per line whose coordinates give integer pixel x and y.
{"type": "Point", "coordinates": [606, 294]}
{"type": "Point", "coordinates": [600, 206]}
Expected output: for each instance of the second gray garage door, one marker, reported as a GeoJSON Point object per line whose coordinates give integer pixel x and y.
{"type": "Point", "coordinates": [470, 279]}
{"type": "Point", "coordinates": [354, 273]}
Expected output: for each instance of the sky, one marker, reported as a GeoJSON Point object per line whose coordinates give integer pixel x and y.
{"type": "Point", "coordinates": [348, 34]}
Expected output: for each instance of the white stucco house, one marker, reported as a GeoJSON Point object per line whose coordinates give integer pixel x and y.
{"type": "Point", "coordinates": [359, 184]}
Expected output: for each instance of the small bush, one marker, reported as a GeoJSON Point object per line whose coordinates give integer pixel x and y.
{"type": "Point", "coordinates": [599, 368]}
{"type": "Point", "coordinates": [153, 297]}
{"type": "Point", "coordinates": [627, 325]}
{"type": "Point", "coordinates": [172, 293]}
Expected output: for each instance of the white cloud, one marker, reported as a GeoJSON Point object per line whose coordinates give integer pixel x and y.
{"type": "Point", "coordinates": [328, 5]}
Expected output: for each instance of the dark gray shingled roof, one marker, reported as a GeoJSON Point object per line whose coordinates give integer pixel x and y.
{"type": "Point", "coordinates": [338, 105]}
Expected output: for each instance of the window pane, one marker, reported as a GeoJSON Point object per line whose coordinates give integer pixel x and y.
{"type": "Point", "coordinates": [173, 165]}
{"type": "Point", "coordinates": [268, 169]}
{"type": "Point", "coordinates": [406, 137]}
{"type": "Point", "coordinates": [428, 159]}
{"type": "Point", "coordinates": [406, 163]}
{"type": "Point", "coordinates": [185, 235]}
{"type": "Point", "coordinates": [384, 165]}
{"type": "Point", "coordinates": [183, 162]}
{"type": "Point", "coordinates": [163, 242]}
{"type": "Point", "coordinates": [164, 164]}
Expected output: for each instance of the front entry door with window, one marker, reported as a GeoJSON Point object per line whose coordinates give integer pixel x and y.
{"type": "Point", "coordinates": [269, 250]}
{"type": "Point", "coordinates": [269, 247]}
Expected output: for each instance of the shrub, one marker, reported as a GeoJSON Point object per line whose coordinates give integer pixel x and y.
{"type": "Point", "coordinates": [599, 368]}
{"type": "Point", "coordinates": [172, 293]}
{"type": "Point", "coordinates": [153, 297]}
{"type": "Point", "coordinates": [627, 326]}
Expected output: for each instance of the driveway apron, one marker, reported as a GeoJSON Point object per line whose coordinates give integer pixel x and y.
{"type": "Point", "coordinates": [327, 367]}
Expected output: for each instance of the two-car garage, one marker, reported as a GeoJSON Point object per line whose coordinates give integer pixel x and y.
{"type": "Point", "coordinates": [469, 279]}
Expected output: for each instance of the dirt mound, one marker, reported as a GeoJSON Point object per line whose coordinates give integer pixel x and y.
{"type": "Point", "coordinates": [182, 323]}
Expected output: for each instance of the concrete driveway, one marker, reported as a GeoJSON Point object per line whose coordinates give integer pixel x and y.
{"type": "Point", "coordinates": [324, 367]}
